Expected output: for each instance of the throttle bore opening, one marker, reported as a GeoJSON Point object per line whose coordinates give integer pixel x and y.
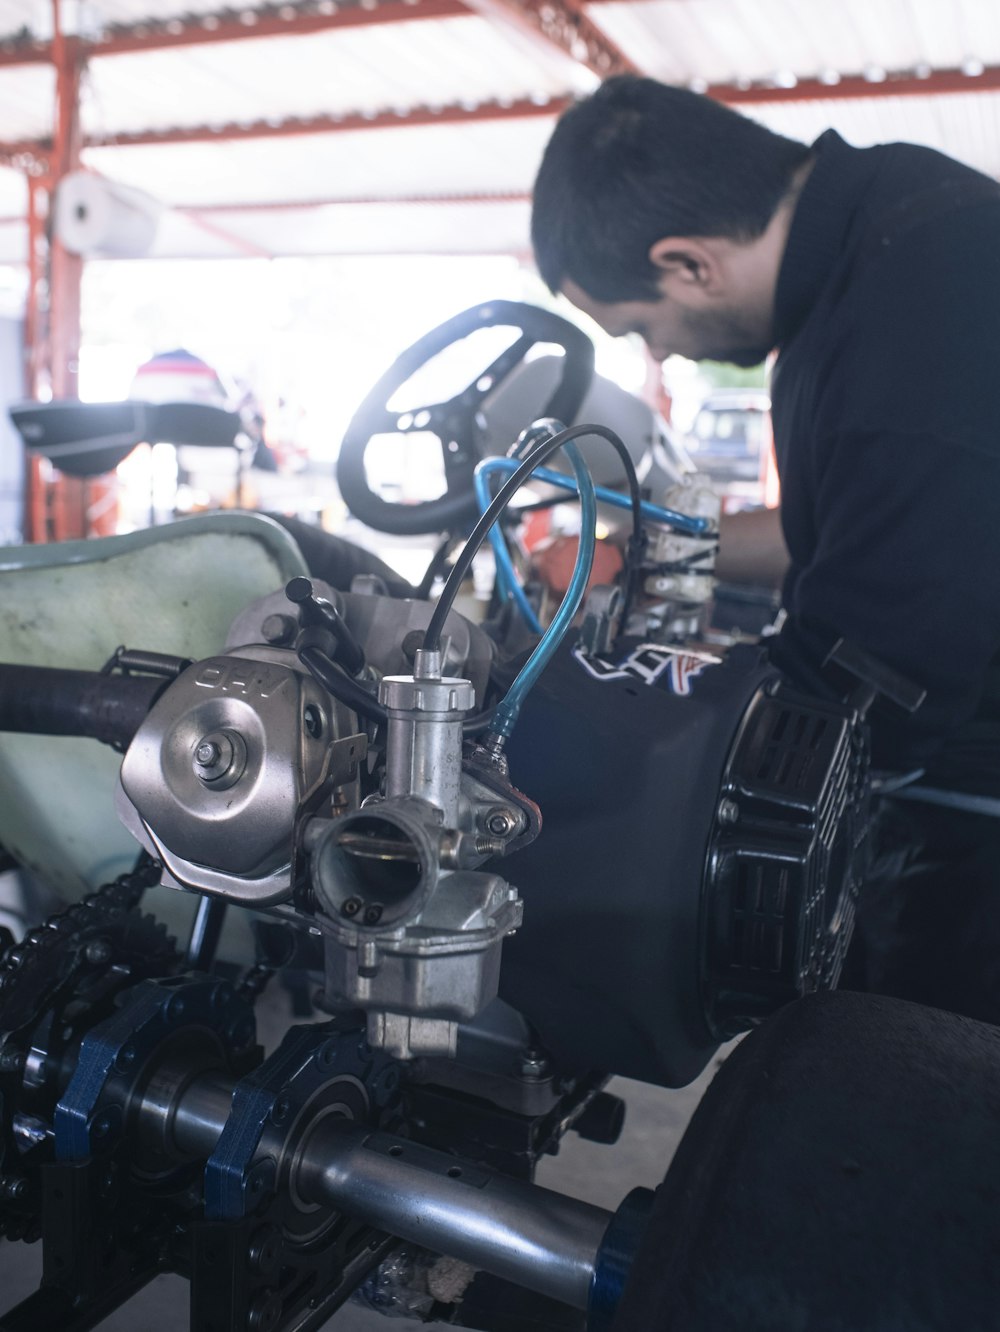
{"type": "Point", "coordinates": [380, 870]}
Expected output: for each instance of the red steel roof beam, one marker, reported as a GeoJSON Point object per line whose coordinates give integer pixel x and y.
{"type": "Point", "coordinates": [264, 129]}
{"type": "Point", "coordinates": [283, 21]}
{"type": "Point", "coordinates": [939, 82]}
{"type": "Point", "coordinates": [562, 24]}
{"type": "Point", "coordinates": [19, 52]}
{"type": "Point", "coordinates": [854, 87]}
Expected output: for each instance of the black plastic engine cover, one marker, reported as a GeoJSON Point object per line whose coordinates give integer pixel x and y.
{"type": "Point", "coordinates": [671, 820]}
{"type": "Point", "coordinates": [628, 773]}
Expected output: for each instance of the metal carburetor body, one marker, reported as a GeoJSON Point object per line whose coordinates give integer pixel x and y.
{"type": "Point", "coordinates": [413, 929]}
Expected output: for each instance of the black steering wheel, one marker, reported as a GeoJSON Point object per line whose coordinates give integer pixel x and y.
{"type": "Point", "coordinates": [454, 422]}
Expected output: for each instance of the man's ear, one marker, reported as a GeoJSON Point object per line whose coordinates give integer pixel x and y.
{"type": "Point", "coordinates": [685, 260]}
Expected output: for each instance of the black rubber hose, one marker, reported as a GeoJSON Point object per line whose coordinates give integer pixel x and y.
{"type": "Point", "coordinates": [348, 691]}
{"type": "Point", "coordinates": [341, 686]}
{"type": "Point", "coordinates": [40, 700]}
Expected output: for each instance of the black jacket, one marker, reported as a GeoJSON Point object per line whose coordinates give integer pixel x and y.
{"type": "Point", "coordinates": [886, 404]}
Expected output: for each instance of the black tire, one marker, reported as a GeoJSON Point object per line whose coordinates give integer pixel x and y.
{"type": "Point", "coordinates": [842, 1174]}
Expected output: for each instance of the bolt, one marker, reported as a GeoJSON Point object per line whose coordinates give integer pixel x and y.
{"type": "Point", "coordinates": [373, 914]}
{"type": "Point", "coordinates": [12, 1187]}
{"type": "Point", "coordinates": [501, 822]}
{"type": "Point", "coordinates": [11, 1061]}
{"type": "Point", "coordinates": [102, 1127]}
{"type": "Point", "coordinates": [97, 952]}
{"type": "Point", "coordinates": [280, 1109]}
{"type": "Point", "coordinates": [265, 1311]}
{"type": "Point", "coordinates": [220, 757]}
{"type": "Point", "coordinates": [263, 1252]}
{"type": "Point", "coordinates": [729, 812]}
{"type": "Point", "coordinates": [411, 643]}
{"type": "Point", "coordinates": [278, 629]}
{"type": "Point", "coordinates": [533, 1065]}
{"type": "Point", "coordinates": [351, 907]}
{"type": "Point", "coordinates": [260, 1180]}
{"type": "Point", "coordinates": [125, 1057]}
{"type": "Point", "coordinates": [326, 1055]}
{"type": "Point", "coordinates": [490, 846]}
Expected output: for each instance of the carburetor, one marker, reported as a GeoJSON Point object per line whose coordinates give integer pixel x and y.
{"type": "Point", "coordinates": [413, 928]}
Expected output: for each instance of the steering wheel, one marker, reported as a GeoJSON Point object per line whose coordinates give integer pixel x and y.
{"type": "Point", "coordinates": [454, 422]}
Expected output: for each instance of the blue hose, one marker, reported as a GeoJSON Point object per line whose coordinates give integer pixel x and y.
{"type": "Point", "coordinates": [507, 584]}
{"type": "Point", "coordinates": [509, 707]}
{"type": "Point", "coordinates": [682, 522]}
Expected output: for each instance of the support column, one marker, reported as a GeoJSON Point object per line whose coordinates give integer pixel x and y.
{"type": "Point", "coordinates": [59, 507]}
{"type": "Point", "coordinates": [38, 472]}
{"type": "Point", "coordinates": [70, 497]}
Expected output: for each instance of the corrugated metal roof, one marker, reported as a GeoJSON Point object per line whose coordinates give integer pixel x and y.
{"type": "Point", "coordinates": [366, 70]}
{"type": "Point", "coordinates": [726, 41]}
{"type": "Point", "coordinates": [966, 127]}
{"type": "Point", "coordinates": [433, 161]}
{"type": "Point", "coordinates": [314, 192]}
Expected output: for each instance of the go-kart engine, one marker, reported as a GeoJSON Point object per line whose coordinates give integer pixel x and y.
{"type": "Point", "coordinates": [250, 781]}
{"type": "Point", "coordinates": [703, 849]}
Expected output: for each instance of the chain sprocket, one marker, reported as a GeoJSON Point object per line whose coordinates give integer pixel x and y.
{"type": "Point", "coordinates": [61, 979]}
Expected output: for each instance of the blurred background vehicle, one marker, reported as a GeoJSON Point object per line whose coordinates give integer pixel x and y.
{"type": "Point", "coordinates": [730, 441]}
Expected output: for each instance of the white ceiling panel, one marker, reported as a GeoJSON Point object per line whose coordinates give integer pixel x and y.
{"type": "Point", "coordinates": [476, 158]}
{"type": "Point", "coordinates": [396, 228]}
{"type": "Point", "coordinates": [13, 211]}
{"type": "Point", "coordinates": [27, 102]}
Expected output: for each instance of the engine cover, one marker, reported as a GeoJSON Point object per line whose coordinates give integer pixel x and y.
{"type": "Point", "coordinates": [226, 763]}
{"type": "Point", "coordinates": [700, 858]}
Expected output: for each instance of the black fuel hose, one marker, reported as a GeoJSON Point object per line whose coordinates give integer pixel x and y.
{"type": "Point", "coordinates": [41, 700]}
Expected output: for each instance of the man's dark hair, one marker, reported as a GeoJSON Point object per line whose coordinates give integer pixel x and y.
{"type": "Point", "coordinates": [638, 161]}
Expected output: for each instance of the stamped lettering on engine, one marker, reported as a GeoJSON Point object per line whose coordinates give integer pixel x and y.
{"type": "Point", "coordinates": [246, 679]}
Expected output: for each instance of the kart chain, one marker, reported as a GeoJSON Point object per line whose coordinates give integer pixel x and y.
{"type": "Point", "coordinates": [30, 983]}
{"type": "Point", "coordinates": [100, 907]}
